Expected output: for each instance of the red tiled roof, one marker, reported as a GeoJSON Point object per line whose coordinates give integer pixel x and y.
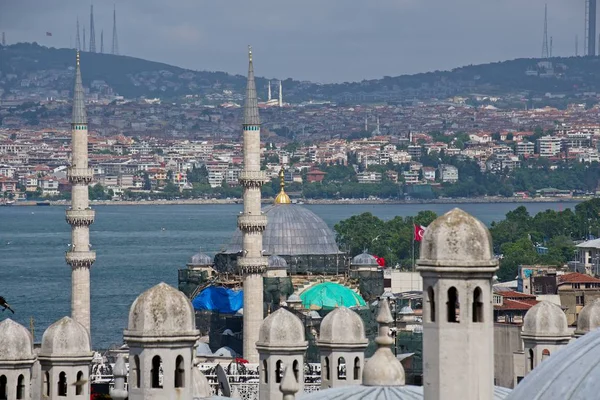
{"type": "Point", "coordinates": [517, 305]}
{"type": "Point", "coordinates": [511, 294]}
{"type": "Point", "coordinates": [576, 277]}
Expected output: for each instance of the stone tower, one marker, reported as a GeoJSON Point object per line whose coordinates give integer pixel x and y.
{"type": "Point", "coordinates": [16, 360]}
{"type": "Point", "coordinates": [252, 222]}
{"type": "Point", "coordinates": [457, 265]}
{"type": "Point", "coordinates": [80, 216]}
{"type": "Point", "coordinates": [342, 342]}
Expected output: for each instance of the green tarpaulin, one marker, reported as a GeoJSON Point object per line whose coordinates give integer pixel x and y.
{"type": "Point", "coordinates": [328, 295]}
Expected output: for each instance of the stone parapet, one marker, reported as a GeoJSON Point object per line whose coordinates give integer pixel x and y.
{"type": "Point", "coordinates": [80, 217]}
{"type": "Point", "coordinates": [80, 175]}
{"type": "Point", "coordinates": [253, 178]}
{"type": "Point", "coordinates": [252, 223]}
{"type": "Point", "coordinates": [252, 265]}
{"type": "Point", "coordinates": [80, 258]}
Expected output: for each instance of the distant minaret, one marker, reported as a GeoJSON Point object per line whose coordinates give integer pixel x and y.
{"type": "Point", "coordinates": [102, 41]}
{"type": "Point", "coordinates": [545, 50]}
{"type": "Point", "coordinates": [551, 46]}
{"type": "Point", "coordinates": [3, 39]}
{"type": "Point", "coordinates": [92, 31]}
{"type": "Point", "coordinates": [366, 124]}
{"type": "Point", "coordinates": [80, 216]}
{"type": "Point", "coordinates": [280, 95]}
{"type": "Point", "coordinates": [252, 223]}
{"type": "Point", "coordinates": [576, 46]}
{"type": "Point", "coordinates": [77, 38]}
{"type": "Point", "coordinates": [115, 41]}
{"type": "Point", "coordinates": [269, 97]}
{"type": "Point", "coordinates": [83, 49]}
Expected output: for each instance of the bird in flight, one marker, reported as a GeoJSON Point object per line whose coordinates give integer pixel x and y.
{"type": "Point", "coordinates": [4, 304]}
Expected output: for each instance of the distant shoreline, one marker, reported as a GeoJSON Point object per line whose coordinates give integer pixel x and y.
{"type": "Point", "coordinates": [476, 200]}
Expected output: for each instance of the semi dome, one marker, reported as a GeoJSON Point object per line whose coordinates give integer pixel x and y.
{"type": "Point", "coordinates": [365, 259]}
{"type": "Point", "coordinates": [343, 327]}
{"type": "Point", "coordinates": [276, 262]}
{"type": "Point", "coordinates": [16, 343]}
{"type": "Point", "coordinates": [545, 319]}
{"type": "Point", "coordinates": [457, 239]}
{"type": "Point", "coordinates": [200, 259]}
{"type": "Point", "coordinates": [280, 329]}
{"type": "Point", "coordinates": [292, 231]}
{"type": "Point", "coordinates": [329, 295]}
{"type": "Point", "coordinates": [573, 373]}
{"type": "Point", "coordinates": [589, 318]}
{"type": "Point", "coordinates": [66, 337]}
{"type": "Point", "coordinates": [161, 310]}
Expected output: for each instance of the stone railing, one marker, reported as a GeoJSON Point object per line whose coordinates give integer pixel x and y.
{"type": "Point", "coordinates": [252, 265]}
{"type": "Point", "coordinates": [80, 217]}
{"type": "Point", "coordinates": [252, 178]}
{"type": "Point", "coordinates": [80, 175]}
{"type": "Point", "coordinates": [249, 390]}
{"type": "Point", "coordinates": [252, 223]}
{"type": "Point", "coordinates": [80, 258]}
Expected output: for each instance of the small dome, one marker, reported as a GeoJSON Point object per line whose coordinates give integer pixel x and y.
{"type": "Point", "coordinates": [589, 318]}
{"type": "Point", "coordinates": [200, 386]}
{"type": "Point", "coordinates": [545, 319]}
{"type": "Point", "coordinates": [343, 326]}
{"type": "Point", "coordinates": [276, 262]}
{"type": "Point", "coordinates": [457, 239]}
{"type": "Point", "coordinates": [161, 310]}
{"type": "Point", "coordinates": [66, 337]}
{"type": "Point", "coordinates": [225, 351]}
{"type": "Point", "coordinates": [201, 259]}
{"type": "Point", "coordinates": [314, 315]}
{"type": "Point", "coordinates": [281, 328]}
{"type": "Point", "coordinates": [15, 342]}
{"type": "Point", "coordinates": [365, 259]}
{"type": "Point", "coordinates": [330, 295]}
{"type": "Point", "coordinates": [406, 310]}
{"type": "Point", "coordinates": [294, 298]}
{"type": "Point", "coordinates": [203, 349]}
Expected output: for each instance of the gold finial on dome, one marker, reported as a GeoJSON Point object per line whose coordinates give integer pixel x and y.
{"type": "Point", "coordinates": [282, 197]}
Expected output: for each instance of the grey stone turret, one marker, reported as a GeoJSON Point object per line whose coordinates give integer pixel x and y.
{"type": "Point", "coordinates": [251, 105]}
{"type": "Point", "coordinates": [545, 319]}
{"type": "Point", "coordinates": [16, 360]}
{"type": "Point", "coordinates": [589, 318]}
{"type": "Point", "coordinates": [79, 114]}
{"type": "Point", "coordinates": [364, 259]}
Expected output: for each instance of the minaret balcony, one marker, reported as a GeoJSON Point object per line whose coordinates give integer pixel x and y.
{"type": "Point", "coordinates": [80, 258]}
{"type": "Point", "coordinates": [80, 217]}
{"type": "Point", "coordinates": [253, 178]}
{"type": "Point", "coordinates": [252, 265]}
{"type": "Point", "coordinates": [80, 175]}
{"type": "Point", "coordinates": [252, 223]}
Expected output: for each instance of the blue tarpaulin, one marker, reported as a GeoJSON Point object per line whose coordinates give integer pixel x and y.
{"type": "Point", "coordinates": [220, 299]}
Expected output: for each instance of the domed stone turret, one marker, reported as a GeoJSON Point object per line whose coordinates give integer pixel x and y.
{"type": "Point", "coordinates": [342, 327]}
{"type": "Point", "coordinates": [545, 319]}
{"type": "Point", "coordinates": [364, 259]}
{"type": "Point", "coordinates": [589, 318]}
{"type": "Point", "coordinates": [160, 310]}
{"type": "Point", "coordinates": [457, 239]}
{"type": "Point", "coordinates": [281, 328]}
{"type": "Point", "coordinates": [65, 337]}
{"type": "Point", "coordinates": [200, 259]}
{"type": "Point", "coordinates": [15, 342]}
{"type": "Point", "coordinates": [276, 262]}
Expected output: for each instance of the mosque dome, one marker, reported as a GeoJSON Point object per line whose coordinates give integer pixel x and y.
{"type": "Point", "coordinates": [343, 327]}
{"type": "Point", "coordinates": [65, 337]}
{"type": "Point", "coordinates": [200, 259]}
{"type": "Point", "coordinates": [457, 239]}
{"type": "Point", "coordinates": [589, 318]}
{"type": "Point", "coordinates": [276, 262]}
{"type": "Point", "coordinates": [161, 310]}
{"type": "Point", "coordinates": [200, 386]}
{"type": "Point", "coordinates": [16, 343]}
{"type": "Point", "coordinates": [365, 259]}
{"type": "Point", "coordinates": [281, 328]}
{"type": "Point", "coordinates": [383, 393]}
{"type": "Point", "coordinates": [406, 310]}
{"type": "Point", "coordinates": [545, 319]}
{"type": "Point", "coordinates": [569, 374]}
{"type": "Point", "coordinates": [292, 230]}
{"type": "Point", "coordinates": [329, 295]}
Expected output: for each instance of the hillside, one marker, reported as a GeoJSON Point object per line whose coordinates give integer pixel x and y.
{"type": "Point", "coordinates": [27, 65]}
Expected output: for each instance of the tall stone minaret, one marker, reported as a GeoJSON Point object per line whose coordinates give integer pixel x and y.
{"type": "Point", "coordinates": [280, 95]}
{"type": "Point", "coordinates": [252, 222]}
{"type": "Point", "coordinates": [269, 95]}
{"type": "Point", "coordinates": [80, 216]}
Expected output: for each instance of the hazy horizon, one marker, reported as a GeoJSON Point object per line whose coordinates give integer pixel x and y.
{"type": "Point", "coordinates": [333, 41]}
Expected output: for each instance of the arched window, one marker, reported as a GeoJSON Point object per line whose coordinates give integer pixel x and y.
{"type": "Point", "coordinates": [179, 372]}
{"type": "Point", "coordinates": [431, 298]}
{"type": "Point", "coordinates": [327, 371]}
{"type": "Point", "coordinates": [135, 381]}
{"type": "Point", "coordinates": [3, 391]}
{"type": "Point", "coordinates": [545, 354]}
{"type": "Point", "coordinates": [20, 387]}
{"type": "Point", "coordinates": [477, 305]}
{"type": "Point", "coordinates": [156, 364]}
{"type": "Point", "coordinates": [79, 384]}
{"type": "Point", "coordinates": [341, 368]}
{"type": "Point", "coordinates": [278, 371]}
{"type": "Point", "coordinates": [62, 384]}
{"type": "Point", "coordinates": [47, 383]}
{"type": "Point", "coordinates": [452, 305]}
{"type": "Point", "coordinates": [296, 370]}
{"type": "Point", "coordinates": [356, 368]}
{"type": "Point", "coordinates": [265, 369]}
{"type": "Point", "coordinates": [531, 359]}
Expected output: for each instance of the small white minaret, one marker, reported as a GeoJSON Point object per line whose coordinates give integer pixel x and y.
{"type": "Point", "coordinates": [80, 216]}
{"type": "Point", "coordinates": [269, 98]}
{"type": "Point", "coordinates": [280, 95]}
{"type": "Point", "coordinates": [457, 265]}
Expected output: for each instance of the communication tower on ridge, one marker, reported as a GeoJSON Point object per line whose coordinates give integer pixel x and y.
{"type": "Point", "coordinates": [545, 50]}
{"type": "Point", "coordinates": [115, 40]}
{"type": "Point", "coordinates": [590, 28]}
{"type": "Point", "coordinates": [3, 39]}
{"type": "Point", "coordinates": [77, 38]}
{"type": "Point", "coordinates": [92, 31]}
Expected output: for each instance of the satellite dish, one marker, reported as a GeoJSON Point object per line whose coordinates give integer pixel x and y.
{"type": "Point", "coordinates": [223, 381]}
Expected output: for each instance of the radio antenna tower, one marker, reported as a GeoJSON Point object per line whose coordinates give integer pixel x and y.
{"type": "Point", "coordinates": [590, 27]}
{"type": "Point", "coordinates": [102, 41]}
{"type": "Point", "coordinates": [115, 40]}
{"type": "Point", "coordinates": [545, 51]}
{"type": "Point", "coordinates": [3, 39]}
{"type": "Point", "coordinates": [576, 46]}
{"type": "Point", "coordinates": [550, 46]}
{"type": "Point", "coordinates": [77, 38]}
{"type": "Point", "coordinates": [83, 38]}
{"type": "Point", "coordinates": [92, 31]}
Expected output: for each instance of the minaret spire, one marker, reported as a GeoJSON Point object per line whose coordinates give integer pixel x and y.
{"type": "Point", "coordinates": [80, 216]}
{"type": "Point", "coordinates": [280, 95]}
{"type": "Point", "coordinates": [269, 97]}
{"type": "Point", "coordinates": [252, 223]}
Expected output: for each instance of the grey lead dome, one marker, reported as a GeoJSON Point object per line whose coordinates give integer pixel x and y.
{"type": "Point", "coordinates": [65, 337]}
{"type": "Point", "coordinates": [15, 342]}
{"type": "Point", "coordinates": [343, 327]}
{"type": "Point", "coordinates": [364, 259]}
{"type": "Point", "coordinates": [545, 319]}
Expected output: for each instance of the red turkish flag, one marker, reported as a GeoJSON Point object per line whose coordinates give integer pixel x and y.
{"type": "Point", "coordinates": [419, 232]}
{"type": "Point", "coordinates": [380, 261]}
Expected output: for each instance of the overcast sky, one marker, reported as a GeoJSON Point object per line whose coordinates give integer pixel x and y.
{"type": "Point", "coordinates": [318, 40]}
